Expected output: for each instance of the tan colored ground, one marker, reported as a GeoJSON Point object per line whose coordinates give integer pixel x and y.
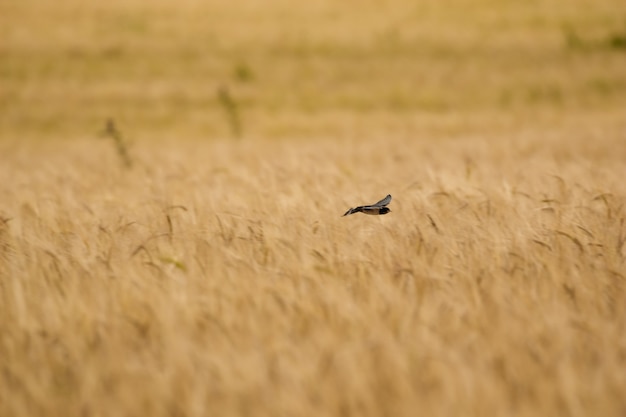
{"type": "Point", "coordinates": [216, 276]}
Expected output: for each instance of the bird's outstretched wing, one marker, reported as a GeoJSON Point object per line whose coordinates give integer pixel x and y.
{"type": "Point", "coordinates": [383, 202]}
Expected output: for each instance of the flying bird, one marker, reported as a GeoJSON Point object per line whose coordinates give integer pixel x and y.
{"type": "Point", "coordinates": [377, 208]}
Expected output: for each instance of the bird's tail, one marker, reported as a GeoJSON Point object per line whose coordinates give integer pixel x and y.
{"type": "Point", "coordinates": [352, 211]}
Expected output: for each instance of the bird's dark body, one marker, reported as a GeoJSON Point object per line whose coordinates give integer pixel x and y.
{"type": "Point", "coordinates": [374, 209]}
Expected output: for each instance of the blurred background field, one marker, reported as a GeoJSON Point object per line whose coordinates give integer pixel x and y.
{"type": "Point", "coordinates": [172, 179]}
{"type": "Point", "coordinates": [307, 70]}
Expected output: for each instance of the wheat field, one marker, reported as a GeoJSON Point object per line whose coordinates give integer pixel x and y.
{"type": "Point", "coordinates": [220, 279]}
{"type": "Point", "coordinates": [173, 178]}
